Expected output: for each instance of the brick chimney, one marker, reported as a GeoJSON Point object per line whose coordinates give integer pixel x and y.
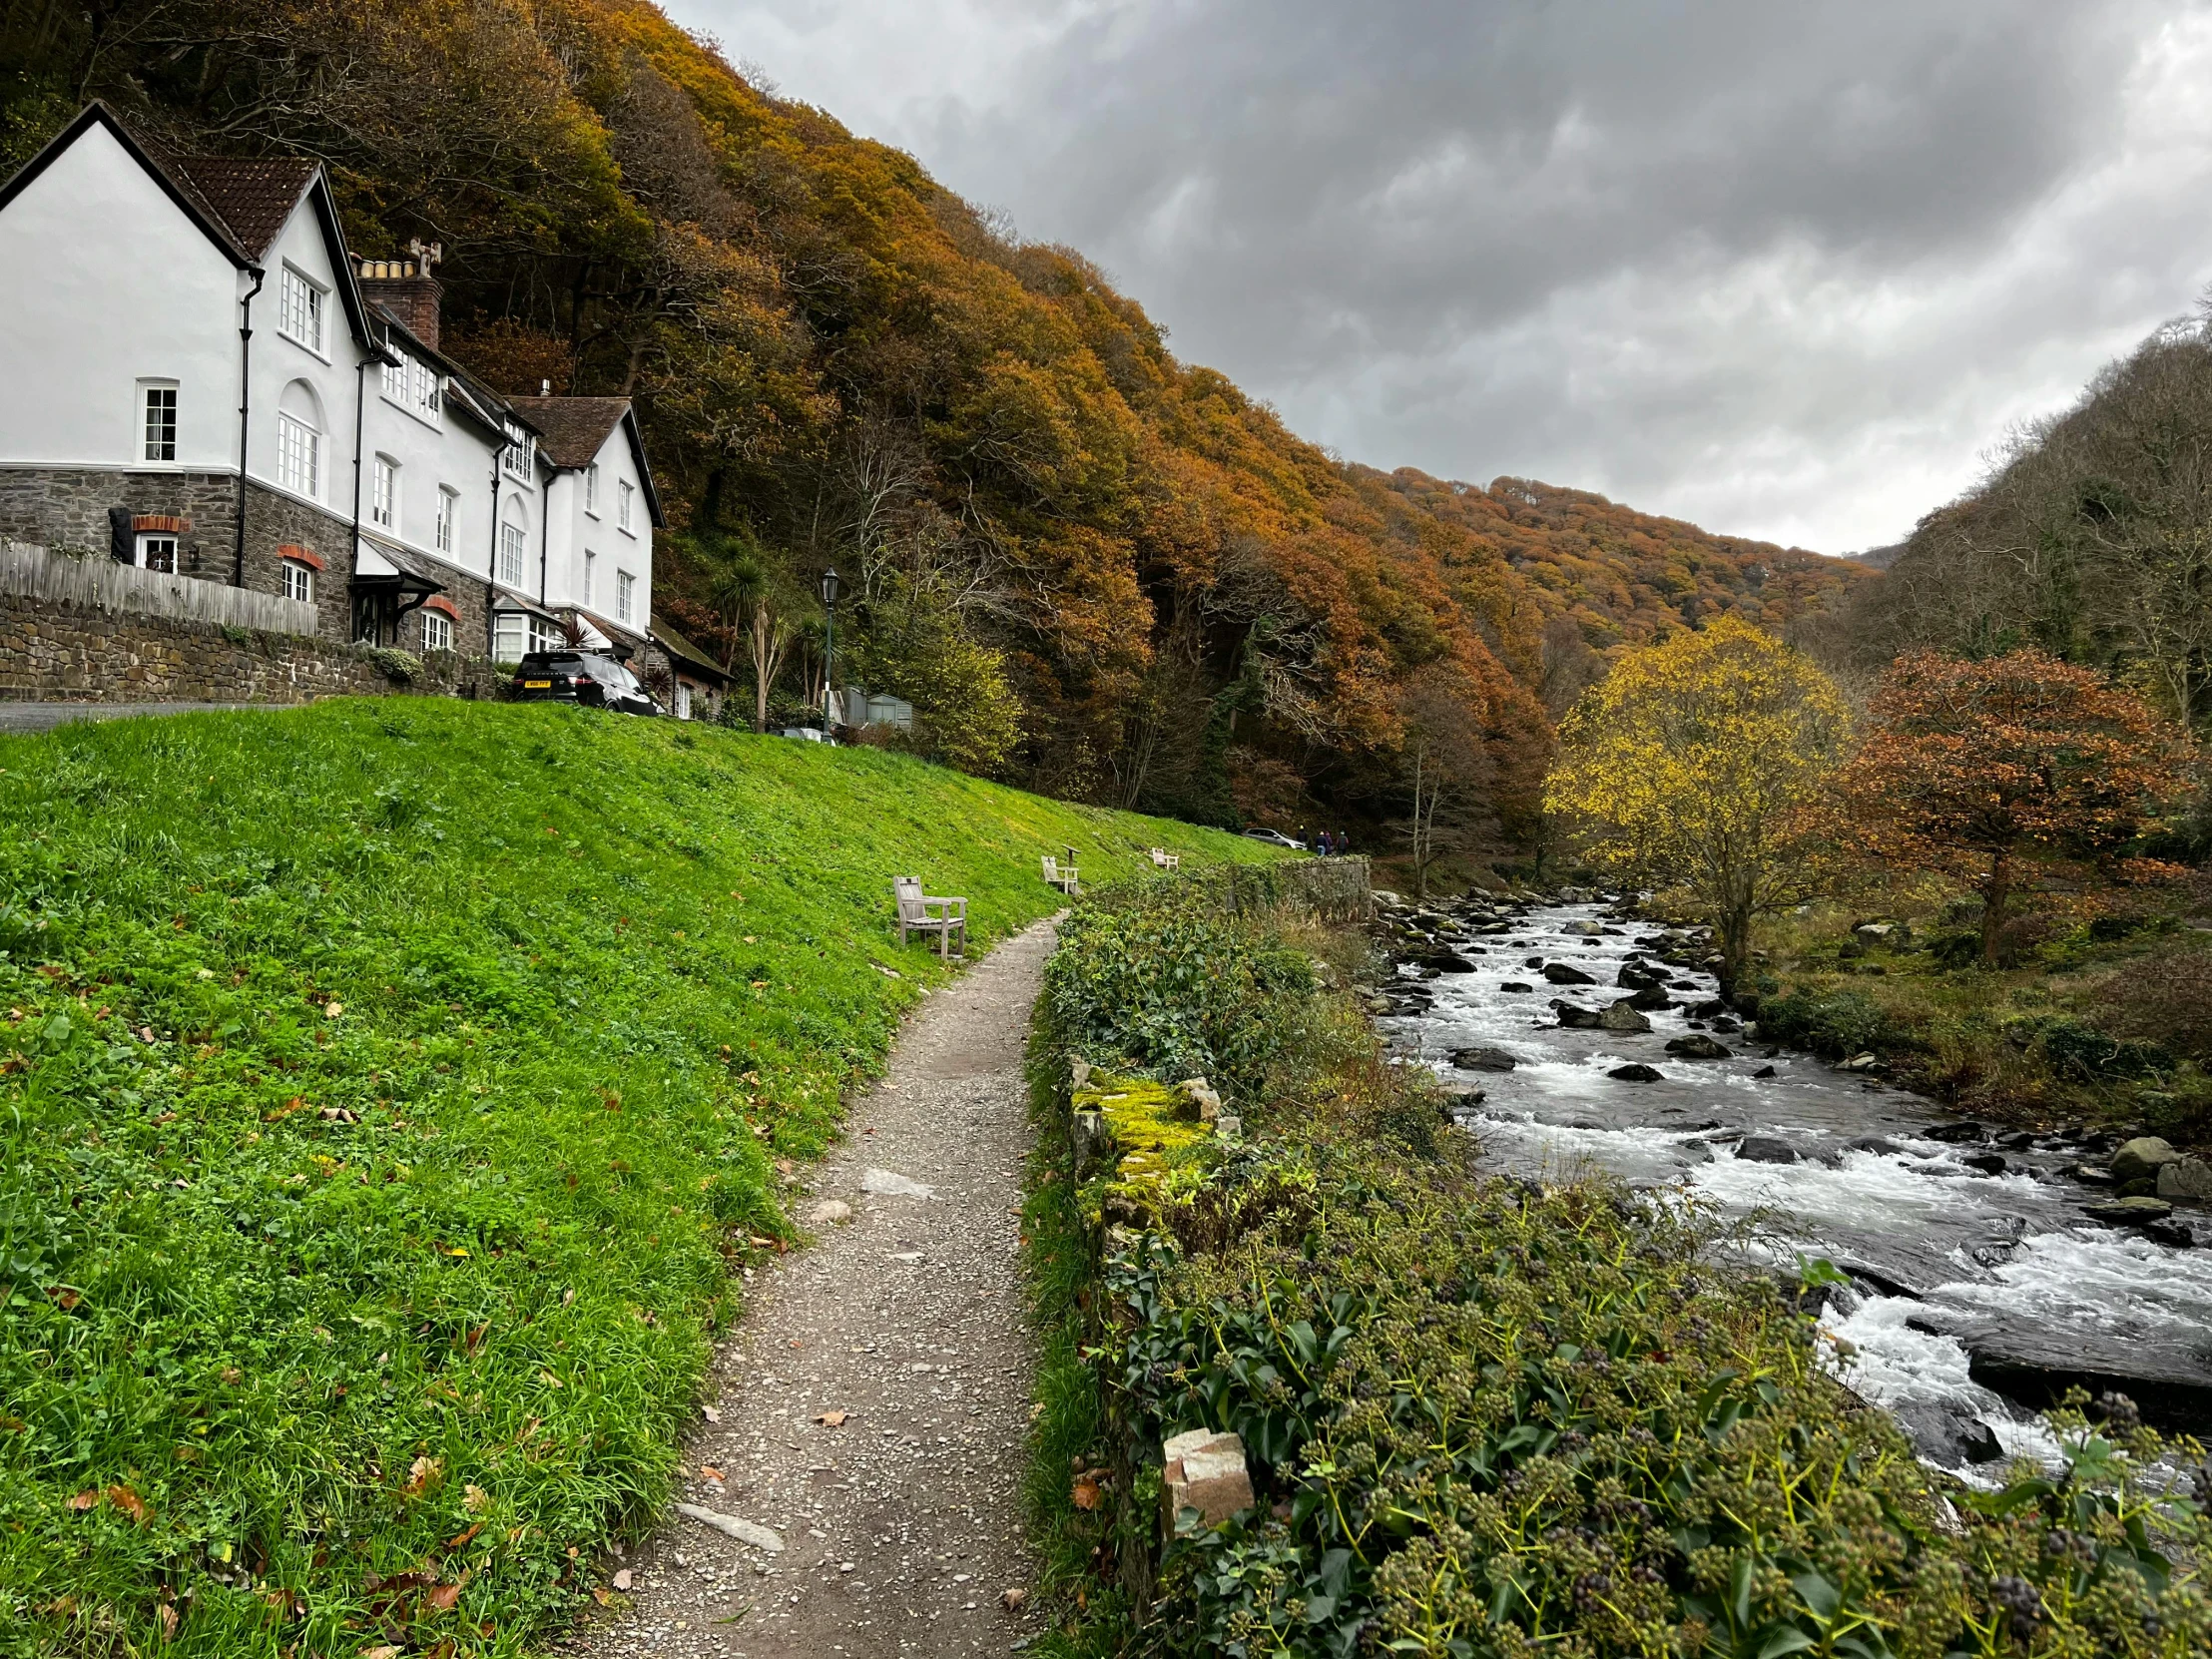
{"type": "Point", "coordinates": [406, 288]}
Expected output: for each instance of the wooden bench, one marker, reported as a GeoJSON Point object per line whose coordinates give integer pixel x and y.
{"type": "Point", "coordinates": [1056, 876]}
{"type": "Point", "coordinates": [1162, 858]}
{"type": "Point", "coordinates": [914, 915]}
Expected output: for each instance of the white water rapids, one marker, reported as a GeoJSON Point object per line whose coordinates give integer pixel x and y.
{"type": "Point", "coordinates": [1927, 1238]}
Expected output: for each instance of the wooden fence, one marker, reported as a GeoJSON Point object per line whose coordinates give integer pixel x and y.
{"type": "Point", "coordinates": [27, 571]}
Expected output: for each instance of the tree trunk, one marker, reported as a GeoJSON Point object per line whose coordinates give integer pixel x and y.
{"type": "Point", "coordinates": [1734, 928]}
{"type": "Point", "coordinates": [1996, 887]}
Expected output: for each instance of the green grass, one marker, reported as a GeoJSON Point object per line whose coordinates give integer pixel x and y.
{"type": "Point", "coordinates": [391, 1094]}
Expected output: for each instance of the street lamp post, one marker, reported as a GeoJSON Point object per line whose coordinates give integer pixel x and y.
{"type": "Point", "coordinates": [829, 643]}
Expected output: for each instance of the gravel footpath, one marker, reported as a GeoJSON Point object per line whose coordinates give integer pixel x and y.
{"type": "Point", "coordinates": [901, 1522]}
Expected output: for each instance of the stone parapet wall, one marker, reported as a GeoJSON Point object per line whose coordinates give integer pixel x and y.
{"type": "Point", "coordinates": [63, 653]}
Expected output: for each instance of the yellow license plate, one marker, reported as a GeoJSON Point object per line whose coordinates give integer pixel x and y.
{"type": "Point", "coordinates": [537, 685]}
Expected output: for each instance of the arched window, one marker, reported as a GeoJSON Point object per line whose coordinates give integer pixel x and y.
{"type": "Point", "coordinates": [299, 441]}
{"type": "Point", "coordinates": [514, 536]}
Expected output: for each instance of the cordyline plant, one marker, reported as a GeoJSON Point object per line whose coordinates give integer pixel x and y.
{"type": "Point", "coordinates": [1700, 763]}
{"type": "Point", "coordinates": [1974, 767]}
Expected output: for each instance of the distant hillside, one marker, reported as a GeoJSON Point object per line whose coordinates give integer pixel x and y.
{"type": "Point", "coordinates": [1093, 568]}
{"type": "Point", "coordinates": [2091, 538]}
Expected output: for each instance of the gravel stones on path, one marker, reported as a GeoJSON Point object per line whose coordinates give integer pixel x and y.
{"type": "Point", "coordinates": [872, 1403]}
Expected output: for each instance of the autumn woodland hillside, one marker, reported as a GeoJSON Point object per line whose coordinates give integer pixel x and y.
{"type": "Point", "coordinates": [1094, 568]}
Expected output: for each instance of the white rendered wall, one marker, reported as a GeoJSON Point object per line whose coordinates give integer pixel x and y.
{"type": "Point", "coordinates": [104, 282]}
{"type": "Point", "coordinates": [278, 360]}
{"type": "Point", "coordinates": [577, 532]}
{"type": "Point", "coordinates": [452, 451]}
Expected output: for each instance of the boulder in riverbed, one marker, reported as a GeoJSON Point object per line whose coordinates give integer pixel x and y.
{"type": "Point", "coordinates": [1955, 1134]}
{"type": "Point", "coordinates": [1697, 1047]}
{"type": "Point", "coordinates": [1483, 1059]}
{"type": "Point", "coordinates": [1651, 1001]}
{"type": "Point", "coordinates": [1574, 1018]}
{"type": "Point", "coordinates": [1635, 1074]}
{"type": "Point", "coordinates": [1947, 1438]}
{"type": "Point", "coordinates": [1516, 986]}
{"type": "Point", "coordinates": [1622, 1016]}
{"type": "Point", "coordinates": [2127, 1211]}
{"type": "Point", "coordinates": [2186, 1178]}
{"type": "Point", "coordinates": [2141, 1158]}
{"type": "Point", "coordinates": [1765, 1149]}
{"type": "Point", "coordinates": [1560, 973]}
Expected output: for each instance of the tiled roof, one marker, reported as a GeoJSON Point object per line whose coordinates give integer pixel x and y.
{"type": "Point", "coordinates": [253, 199]}
{"type": "Point", "coordinates": [573, 429]}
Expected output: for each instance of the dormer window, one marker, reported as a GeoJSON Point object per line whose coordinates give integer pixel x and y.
{"type": "Point", "coordinates": [519, 458]}
{"type": "Point", "coordinates": [414, 385]}
{"type": "Point", "coordinates": [300, 310]}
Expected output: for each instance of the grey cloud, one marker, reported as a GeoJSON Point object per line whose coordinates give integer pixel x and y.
{"type": "Point", "coordinates": [1656, 248]}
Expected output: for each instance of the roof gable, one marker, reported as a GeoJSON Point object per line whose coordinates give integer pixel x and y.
{"type": "Point", "coordinates": [576, 429]}
{"type": "Point", "coordinates": [241, 205]}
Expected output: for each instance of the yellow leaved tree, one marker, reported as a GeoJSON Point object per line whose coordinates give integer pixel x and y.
{"type": "Point", "coordinates": [1700, 764]}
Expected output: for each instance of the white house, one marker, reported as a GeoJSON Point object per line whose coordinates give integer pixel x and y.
{"type": "Point", "coordinates": [196, 376]}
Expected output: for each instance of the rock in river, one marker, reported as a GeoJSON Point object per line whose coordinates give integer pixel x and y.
{"type": "Point", "coordinates": [1561, 974]}
{"type": "Point", "coordinates": [1635, 1074]}
{"type": "Point", "coordinates": [2186, 1178]}
{"type": "Point", "coordinates": [1575, 1018]}
{"type": "Point", "coordinates": [2141, 1158]}
{"type": "Point", "coordinates": [1949, 1439]}
{"type": "Point", "coordinates": [1765, 1149]}
{"type": "Point", "coordinates": [1697, 1047]}
{"type": "Point", "coordinates": [2168, 1378]}
{"type": "Point", "coordinates": [2129, 1211]}
{"type": "Point", "coordinates": [1483, 1059]}
{"type": "Point", "coordinates": [1622, 1016]}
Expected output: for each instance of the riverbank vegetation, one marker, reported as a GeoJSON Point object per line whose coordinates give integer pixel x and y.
{"type": "Point", "coordinates": [1481, 1418]}
{"type": "Point", "coordinates": [393, 1095]}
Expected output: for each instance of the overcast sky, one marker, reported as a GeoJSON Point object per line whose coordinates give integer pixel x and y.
{"type": "Point", "coordinates": [1790, 270]}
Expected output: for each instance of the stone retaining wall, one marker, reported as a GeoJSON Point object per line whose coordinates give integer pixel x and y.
{"type": "Point", "coordinates": [55, 653]}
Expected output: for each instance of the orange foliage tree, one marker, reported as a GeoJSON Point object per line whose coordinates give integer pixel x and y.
{"type": "Point", "coordinates": [1973, 767]}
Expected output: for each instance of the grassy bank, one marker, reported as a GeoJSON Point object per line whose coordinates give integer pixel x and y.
{"type": "Point", "coordinates": [388, 1092]}
{"type": "Point", "coordinates": [1481, 1418]}
{"type": "Point", "coordinates": [2102, 1018]}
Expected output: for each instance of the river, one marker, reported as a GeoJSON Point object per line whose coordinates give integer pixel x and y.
{"type": "Point", "coordinates": [1969, 1278]}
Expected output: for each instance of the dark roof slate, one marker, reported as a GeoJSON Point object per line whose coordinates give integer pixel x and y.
{"type": "Point", "coordinates": [253, 199]}
{"type": "Point", "coordinates": [573, 430]}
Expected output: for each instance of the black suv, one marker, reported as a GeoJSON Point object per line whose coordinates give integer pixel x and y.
{"type": "Point", "coordinates": [582, 676]}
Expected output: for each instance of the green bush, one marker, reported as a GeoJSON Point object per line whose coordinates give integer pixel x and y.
{"type": "Point", "coordinates": [1169, 988]}
{"type": "Point", "coordinates": [2083, 1052]}
{"type": "Point", "coordinates": [1836, 1023]}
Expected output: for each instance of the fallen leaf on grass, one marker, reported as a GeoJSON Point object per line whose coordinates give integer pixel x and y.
{"type": "Point", "coordinates": [707, 1471]}
{"type": "Point", "coordinates": [460, 1538]}
{"type": "Point", "coordinates": [624, 1579]}
{"type": "Point", "coordinates": [1084, 1493]}
{"type": "Point", "coordinates": [130, 1504]}
{"type": "Point", "coordinates": [167, 1614]}
{"type": "Point", "coordinates": [423, 1475]}
{"type": "Point", "coordinates": [443, 1599]}
{"type": "Point", "coordinates": [832, 1419]}
{"type": "Point", "coordinates": [64, 1297]}
{"type": "Point", "coordinates": [84, 1500]}
{"type": "Point", "coordinates": [475, 1499]}
{"type": "Point", "coordinates": [599, 1593]}
{"type": "Point", "coordinates": [380, 1653]}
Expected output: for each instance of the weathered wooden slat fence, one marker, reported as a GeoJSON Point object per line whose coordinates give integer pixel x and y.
{"type": "Point", "coordinates": [27, 571]}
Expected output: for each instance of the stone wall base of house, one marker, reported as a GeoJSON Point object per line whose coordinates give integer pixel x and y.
{"type": "Point", "coordinates": [55, 652]}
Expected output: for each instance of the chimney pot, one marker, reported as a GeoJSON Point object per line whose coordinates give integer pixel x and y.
{"type": "Point", "coordinates": [545, 388]}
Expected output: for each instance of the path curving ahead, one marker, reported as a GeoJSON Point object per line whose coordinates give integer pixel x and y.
{"type": "Point", "coordinates": [901, 1524]}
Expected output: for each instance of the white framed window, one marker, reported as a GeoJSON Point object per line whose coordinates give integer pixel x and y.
{"type": "Point", "coordinates": [437, 631]}
{"type": "Point", "coordinates": [298, 455]}
{"type": "Point", "coordinates": [383, 493]}
{"type": "Point", "coordinates": [510, 554]}
{"type": "Point", "coordinates": [626, 596]}
{"type": "Point", "coordinates": [591, 489]}
{"type": "Point", "coordinates": [414, 385]}
{"type": "Point", "coordinates": [507, 637]}
{"type": "Point", "coordinates": [449, 509]}
{"type": "Point", "coordinates": [299, 309]}
{"type": "Point", "coordinates": [157, 552]}
{"type": "Point", "coordinates": [157, 420]}
{"type": "Point", "coordinates": [544, 636]}
{"type": "Point", "coordinates": [519, 458]}
{"type": "Point", "coordinates": [299, 580]}
{"type": "Point", "coordinates": [626, 496]}
{"type": "Point", "coordinates": [683, 699]}
{"type": "Point", "coordinates": [591, 577]}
